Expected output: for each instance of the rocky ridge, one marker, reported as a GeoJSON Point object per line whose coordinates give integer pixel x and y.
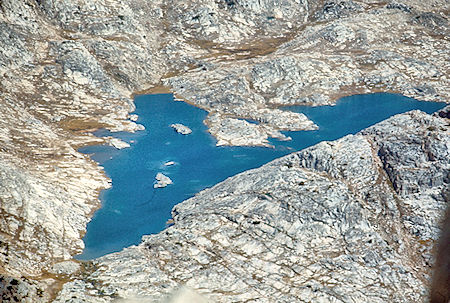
{"type": "Point", "coordinates": [342, 221]}
{"type": "Point", "coordinates": [69, 67]}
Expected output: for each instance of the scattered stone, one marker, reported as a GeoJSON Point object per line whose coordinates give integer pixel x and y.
{"type": "Point", "coordinates": [400, 6]}
{"type": "Point", "coordinates": [162, 181]}
{"type": "Point", "coordinates": [65, 268]}
{"type": "Point", "coordinates": [337, 9]}
{"type": "Point", "coordinates": [181, 129]}
{"type": "Point", "coordinates": [134, 117]}
{"type": "Point", "coordinates": [117, 143]}
{"type": "Point", "coordinates": [444, 113]}
{"type": "Point", "coordinates": [140, 127]}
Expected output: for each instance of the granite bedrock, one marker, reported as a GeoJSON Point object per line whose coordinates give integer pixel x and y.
{"type": "Point", "coordinates": [71, 67]}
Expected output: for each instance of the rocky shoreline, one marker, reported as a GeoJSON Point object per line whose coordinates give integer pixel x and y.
{"type": "Point", "coordinates": [68, 68]}
{"type": "Point", "coordinates": [341, 221]}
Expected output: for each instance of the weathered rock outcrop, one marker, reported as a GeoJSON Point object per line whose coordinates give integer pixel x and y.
{"type": "Point", "coordinates": [340, 48]}
{"type": "Point", "coordinates": [181, 129]}
{"type": "Point", "coordinates": [69, 67]}
{"type": "Point", "coordinates": [346, 221]}
{"type": "Point", "coordinates": [162, 181]}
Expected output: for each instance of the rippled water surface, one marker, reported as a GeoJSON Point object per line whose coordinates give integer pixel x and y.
{"type": "Point", "coordinates": [132, 207]}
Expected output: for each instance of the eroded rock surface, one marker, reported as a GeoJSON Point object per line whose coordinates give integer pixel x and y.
{"type": "Point", "coordinates": [181, 129]}
{"type": "Point", "coordinates": [344, 221]}
{"type": "Point", "coordinates": [70, 67]}
{"type": "Point", "coordinates": [162, 181]}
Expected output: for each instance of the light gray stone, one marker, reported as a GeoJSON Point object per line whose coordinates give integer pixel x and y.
{"type": "Point", "coordinates": [181, 129]}
{"type": "Point", "coordinates": [65, 268]}
{"type": "Point", "coordinates": [70, 67]}
{"type": "Point", "coordinates": [117, 143]}
{"type": "Point", "coordinates": [162, 181]}
{"type": "Point", "coordinates": [325, 224]}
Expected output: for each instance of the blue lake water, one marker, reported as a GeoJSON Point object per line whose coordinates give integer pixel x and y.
{"type": "Point", "coordinates": [132, 207]}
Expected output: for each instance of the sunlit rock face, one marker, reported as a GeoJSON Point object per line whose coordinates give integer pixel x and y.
{"type": "Point", "coordinates": [68, 67]}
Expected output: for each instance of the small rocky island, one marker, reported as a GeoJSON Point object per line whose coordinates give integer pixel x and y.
{"type": "Point", "coordinates": [355, 219]}
{"type": "Point", "coordinates": [181, 129]}
{"type": "Point", "coordinates": [162, 181]}
{"type": "Point", "coordinates": [117, 143]}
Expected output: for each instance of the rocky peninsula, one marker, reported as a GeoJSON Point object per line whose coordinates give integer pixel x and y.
{"type": "Point", "coordinates": [354, 219]}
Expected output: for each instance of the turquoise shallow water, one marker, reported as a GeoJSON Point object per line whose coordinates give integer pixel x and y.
{"type": "Point", "coordinates": [132, 207]}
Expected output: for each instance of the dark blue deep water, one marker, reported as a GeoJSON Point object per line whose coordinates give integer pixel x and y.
{"type": "Point", "coordinates": [132, 207]}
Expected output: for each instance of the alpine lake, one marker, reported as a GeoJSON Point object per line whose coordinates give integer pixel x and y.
{"type": "Point", "coordinates": [132, 207]}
